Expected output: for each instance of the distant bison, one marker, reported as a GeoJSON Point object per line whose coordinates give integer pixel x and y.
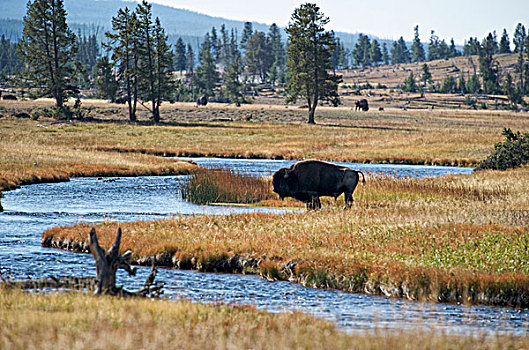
{"type": "Point", "coordinates": [362, 104]}
{"type": "Point", "coordinates": [202, 100]}
{"type": "Point", "coordinates": [9, 97]}
{"type": "Point", "coordinates": [307, 180]}
{"type": "Point", "coordinates": [121, 100]}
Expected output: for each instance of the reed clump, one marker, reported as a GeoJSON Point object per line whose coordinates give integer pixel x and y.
{"type": "Point", "coordinates": [226, 186]}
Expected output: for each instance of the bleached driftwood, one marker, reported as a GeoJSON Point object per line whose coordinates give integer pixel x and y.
{"type": "Point", "coordinates": [107, 264]}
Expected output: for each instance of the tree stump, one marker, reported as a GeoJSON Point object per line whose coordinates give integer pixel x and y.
{"type": "Point", "coordinates": [107, 264]}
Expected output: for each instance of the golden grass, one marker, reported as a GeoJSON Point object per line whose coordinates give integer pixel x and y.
{"type": "Point", "coordinates": [80, 321]}
{"type": "Point", "coordinates": [456, 238]}
{"type": "Point", "coordinates": [208, 186]}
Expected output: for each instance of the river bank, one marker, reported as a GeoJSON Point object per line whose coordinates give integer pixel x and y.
{"type": "Point", "coordinates": [401, 239]}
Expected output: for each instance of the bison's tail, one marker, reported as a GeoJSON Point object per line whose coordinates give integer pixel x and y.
{"type": "Point", "coordinates": [363, 177]}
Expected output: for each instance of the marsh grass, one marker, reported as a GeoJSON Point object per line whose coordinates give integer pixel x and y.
{"type": "Point", "coordinates": [226, 186]}
{"type": "Point", "coordinates": [460, 238]}
{"type": "Point", "coordinates": [81, 321]}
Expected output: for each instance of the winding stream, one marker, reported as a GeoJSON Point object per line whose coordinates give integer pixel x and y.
{"type": "Point", "coordinates": [31, 210]}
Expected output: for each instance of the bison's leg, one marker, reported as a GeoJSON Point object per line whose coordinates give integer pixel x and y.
{"type": "Point", "coordinates": [317, 203]}
{"type": "Point", "coordinates": [348, 199]}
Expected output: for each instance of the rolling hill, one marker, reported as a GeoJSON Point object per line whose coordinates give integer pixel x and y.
{"type": "Point", "coordinates": [95, 16]}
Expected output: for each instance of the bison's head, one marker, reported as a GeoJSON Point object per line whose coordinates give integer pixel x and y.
{"type": "Point", "coordinates": [283, 182]}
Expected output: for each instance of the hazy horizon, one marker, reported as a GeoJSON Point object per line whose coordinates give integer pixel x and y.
{"type": "Point", "coordinates": [384, 18]}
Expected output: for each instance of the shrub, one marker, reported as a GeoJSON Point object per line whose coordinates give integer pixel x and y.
{"type": "Point", "coordinates": [226, 186]}
{"type": "Point", "coordinates": [512, 153]}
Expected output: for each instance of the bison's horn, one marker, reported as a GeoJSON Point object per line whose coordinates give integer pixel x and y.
{"type": "Point", "coordinates": [285, 176]}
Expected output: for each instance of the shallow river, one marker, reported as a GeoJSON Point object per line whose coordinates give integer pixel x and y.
{"type": "Point", "coordinates": [31, 210]}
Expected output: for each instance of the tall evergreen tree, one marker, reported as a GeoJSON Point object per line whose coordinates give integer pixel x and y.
{"type": "Point", "coordinates": [452, 51]}
{"type": "Point", "coordinates": [409, 84]}
{"type": "Point", "coordinates": [519, 38]}
{"type": "Point", "coordinates": [309, 58]}
{"type": "Point", "coordinates": [361, 51]}
{"type": "Point", "coordinates": [124, 47]}
{"type": "Point", "coordinates": [259, 57]}
{"type": "Point", "coordinates": [505, 44]}
{"type": "Point", "coordinates": [375, 54]}
{"type": "Point", "coordinates": [471, 47]}
{"type": "Point", "coordinates": [48, 47]}
{"type": "Point", "coordinates": [462, 85]}
{"type": "Point", "coordinates": [232, 82]}
{"type": "Point", "coordinates": [180, 55]}
{"type": "Point", "coordinates": [400, 52]}
{"type": "Point", "coordinates": [206, 75]}
{"type": "Point", "coordinates": [426, 76]}
{"type": "Point", "coordinates": [106, 84]}
{"type": "Point", "coordinates": [10, 62]}
{"type": "Point", "coordinates": [190, 60]}
{"type": "Point", "coordinates": [385, 54]}
{"type": "Point", "coordinates": [488, 66]}
{"type": "Point", "coordinates": [276, 46]}
{"type": "Point", "coordinates": [473, 84]}
{"type": "Point", "coordinates": [247, 33]}
{"type": "Point", "coordinates": [417, 50]}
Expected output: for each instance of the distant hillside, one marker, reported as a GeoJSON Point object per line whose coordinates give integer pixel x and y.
{"type": "Point", "coordinates": [95, 16]}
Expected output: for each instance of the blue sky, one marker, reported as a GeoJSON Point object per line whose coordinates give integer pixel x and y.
{"type": "Point", "coordinates": [458, 19]}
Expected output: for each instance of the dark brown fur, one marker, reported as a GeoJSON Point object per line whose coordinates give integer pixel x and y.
{"type": "Point", "coordinates": [307, 180]}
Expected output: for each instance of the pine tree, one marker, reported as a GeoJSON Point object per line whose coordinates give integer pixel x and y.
{"type": "Point", "coordinates": [385, 54]}
{"type": "Point", "coordinates": [452, 51]}
{"type": "Point", "coordinates": [206, 75]}
{"type": "Point", "coordinates": [180, 55]}
{"type": "Point", "coordinates": [190, 61]}
{"type": "Point", "coordinates": [155, 57]}
{"type": "Point", "coordinates": [519, 38]}
{"type": "Point", "coordinates": [215, 44]}
{"type": "Point", "coordinates": [426, 76]}
{"type": "Point", "coordinates": [462, 86]}
{"type": "Point", "coordinates": [232, 83]}
{"type": "Point", "coordinates": [309, 58]}
{"type": "Point", "coordinates": [225, 56]}
{"type": "Point", "coordinates": [48, 47]}
{"type": "Point", "coordinates": [400, 52]}
{"type": "Point", "coordinates": [433, 47]}
{"type": "Point", "coordinates": [375, 54]}
{"type": "Point", "coordinates": [247, 33]}
{"type": "Point", "coordinates": [473, 84]}
{"type": "Point", "coordinates": [106, 83]}
{"type": "Point", "coordinates": [124, 47]}
{"type": "Point", "coordinates": [361, 51]}
{"type": "Point", "coordinates": [259, 56]}
{"type": "Point", "coordinates": [488, 66]}
{"type": "Point", "coordinates": [505, 44]}
{"type": "Point", "coordinates": [409, 84]}
{"type": "Point", "coordinates": [417, 50]}
{"type": "Point", "coordinates": [276, 46]}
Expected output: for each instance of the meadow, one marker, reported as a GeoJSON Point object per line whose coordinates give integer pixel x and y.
{"type": "Point", "coordinates": [457, 238]}
{"type": "Point", "coordinates": [80, 321]}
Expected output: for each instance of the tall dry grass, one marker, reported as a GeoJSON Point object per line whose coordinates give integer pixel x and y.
{"type": "Point", "coordinates": [226, 186]}
{"type": "Point", "coordinates": [80, 321]}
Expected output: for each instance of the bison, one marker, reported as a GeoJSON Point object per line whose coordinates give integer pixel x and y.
{"type": "Point", "coordinates": [202, 100]}
{"type": "Point", "coordinates": [307, 180]}
{"type": "Point", "coordinates": [9, 98]}
{"type": "Point", "coordinates": [362, 104]}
